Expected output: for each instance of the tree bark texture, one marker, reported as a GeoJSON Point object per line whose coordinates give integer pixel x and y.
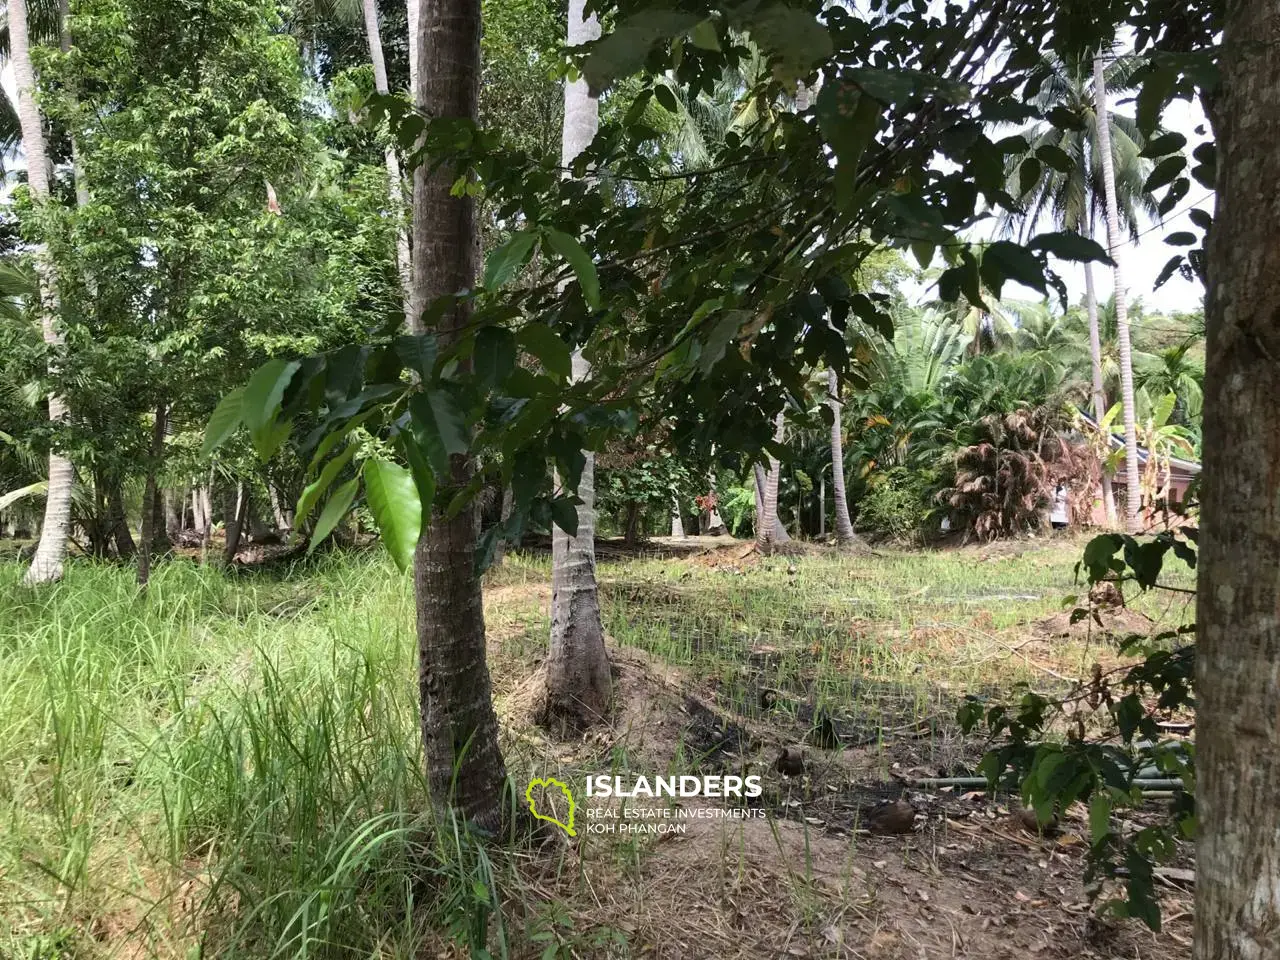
{"type": "Point", "coordinates": [844, 525]}
{"type": "Point", "coordinates": [1237, 909]}
{"type": "Point", "coordinates": [55, 532]}
{"type": "Point", "coordinates": [770, 523]}
{"type": "Point", "coordinates": [464, 765]}
{"type": "Point", "coordinates": [152, 518]}
{"type": "Point", "coordinates": [1099, 393]}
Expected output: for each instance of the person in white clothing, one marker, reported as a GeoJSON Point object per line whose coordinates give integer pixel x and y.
{"type": "Point", "coordinates": [1059, 515]}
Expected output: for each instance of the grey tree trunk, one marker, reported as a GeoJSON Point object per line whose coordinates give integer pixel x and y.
{"type": "Point", "coordinates": [677, 521]}
{"type": "Point", "coordinates": [844, 526]}
{"type": "Point", "coordinates": [579, 685]}
{"type": "Point", "coordinates": [464, 765]}
{"type": "Point", "coordinates": [117, 522]}
{"type": "Point", "coordinates": [236, 509]}
{"type": "Point", "coordinates": [174, 510]}
{"type": "Point", "coordinates": [151, 517]}
{"type": "Point", "coordinates": [1237, 908]}
{"type": "Point", "coordinates": [767, 530]}
{"type": "Point", "coordinates": [1095, 356]}
{"type": "Point", "coordinates": [413, 13]}
{"type": "Point", "coordinates": [1133, 488]}
{"type": "Point", "coordinates": [779, 530]}
{"type": "Point", "coordinates": [51, 552]}
{"type": "Point", "coordinates": [395, 188]}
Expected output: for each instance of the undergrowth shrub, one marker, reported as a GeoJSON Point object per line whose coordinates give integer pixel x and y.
{"type": "Point", "coordinates": [895, 506]}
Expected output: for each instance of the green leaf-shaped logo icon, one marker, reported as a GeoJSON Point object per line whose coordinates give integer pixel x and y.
{"type": "Point", "coordinates": [547, 784]}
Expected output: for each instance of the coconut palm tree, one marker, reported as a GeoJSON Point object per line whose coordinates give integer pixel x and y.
{"type": "Point", "coordinates": [46, 565]}
{"type": "Point", "coordinates": [1074, 197]}
{"type": "Point", "coordinates": [42, 19]}
{"type": "Point", "coordinates": [1133, 482]}
{"type": "Point", "coordinates": [578, 677]}
{"type": "Point", "coordinates": [769, 531]}
{"type": "Point", "coordinates": [845, 536]}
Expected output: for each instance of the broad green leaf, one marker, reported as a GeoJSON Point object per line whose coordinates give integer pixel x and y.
{"type": "Point", "coordinates": [314, 490]}
{"type": "Point", "coordinates": [1067, 245]}
{"type": "Point", "coordinates": [393, 499]}
{"type": "Point", "coordinates": [541, 341]}
{"type": "Point", "coordinates": [624, 51]}
{"type": "Point", "coordinates": [791, 35]}
{"type": "Point", "coordinates": [578, 258]}
{"type": "Point", "coordinates": [331, 440]}
{"type": "Point", "coordinates": [564, 513]}
{"type": "Point", "coordinates": [418, 352]}
{"type": "Point", "coordinates": [225, 420]}
{"type": "Point", "coordinates": [1165, 172]}
{"type": "Point", "coordinates": [1028, 175]}
{"type": "Point", "coordinates": [666, 97]}
{"type": "Point", "coordinates": [505, 262]}
{"type": "Point", "coordinates": [263, 392]}
{"type": "Point", "coordinates": [848, 120]}
{"type": "Point", "coordinates": [1163, 145]}
{"type": "Point", "coordinates": [1055, 157]}
{"type": "Point", "coordinates": [1003, 260]}
{"type": "Point", "coordinates": [333, 512]}
{"type": "Point", "coordinates": [704, 36]}
{"type": "Point", "coordinates": [494, 355]}
{"type": "Point", "coordinates": [270, 438]}
{"type": "Point", "coordinates": [419, 467]}
{"type": "Point", "coordinates": [442, 428]}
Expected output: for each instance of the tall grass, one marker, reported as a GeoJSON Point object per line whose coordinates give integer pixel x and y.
{"type": "Point", "coordinates": [227, 767]}
{"type": "Point", "coordinates": [231, 765]}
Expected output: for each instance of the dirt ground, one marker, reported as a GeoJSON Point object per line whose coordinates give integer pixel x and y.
{"type": "Point", "coordinates": [968, 879]}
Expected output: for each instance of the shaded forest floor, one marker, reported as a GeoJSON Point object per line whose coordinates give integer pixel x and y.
{"type": "Point", "coordinates": [230, 768]}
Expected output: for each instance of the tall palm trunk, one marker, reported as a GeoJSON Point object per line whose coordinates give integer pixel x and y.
{"type": "Point", "coordinates": [395, 190]}
{"type": "Point", "coordinates": [1095, 355]}
{"type": "Point", "coordinates": [578, 680]}
{"type": "Point", "coordinates": [844, 526]}
{"type": "Point", "coordinates": [1237, 907]}
{"type": "Point", "coordinates": [767, 529]}
{"type": "Point", "coordinates": [779, 530]}
{"type": "Point", "coordinates": [459, 728]}
{"type": "Point", "coordinates": [46, 565]}
{"type": "Point", "coordinates": [1133, 487]}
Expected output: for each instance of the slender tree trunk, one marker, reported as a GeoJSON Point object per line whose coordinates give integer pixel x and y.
{"type": "Point", "coordinates": [236, 509]}
{"type": "Point", "coordinates": [1095, 355]}
{"type": "Point", "coordinates": [844, 526]}
{"type": "Point", "coordinates": [174, 502]}
{"type": "Point", "coordinates": [579, 685]}
{"type": "Point", "coordinates": [395, 190]}
{"type": "Point", "coordinates": [46, 565]}
{"type": "Point", "coordinates": [1237, 909]}
{"type": "Point", "coordinates": [504, 514]}
{"type": "Point", "coordinates": [1133, 486]}
{"type": "Point", "coordinates": [150, 515]}
{"type": "Point", "coordinates": [413, 13]}
{"type": "Point", "coordinates": [780, 534]}
{"type": "Point", "coordinates": [459, 728]}
{"type": "Point", "coordinates": [822, 506]}
{"type": "Point", "coordinates": [768, 528]}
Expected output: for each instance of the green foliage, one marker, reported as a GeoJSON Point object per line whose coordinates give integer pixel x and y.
{"type": "Point", "coordinates": [896, 506]}
{"type": "Point", "coordinates": [1127, 703]}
